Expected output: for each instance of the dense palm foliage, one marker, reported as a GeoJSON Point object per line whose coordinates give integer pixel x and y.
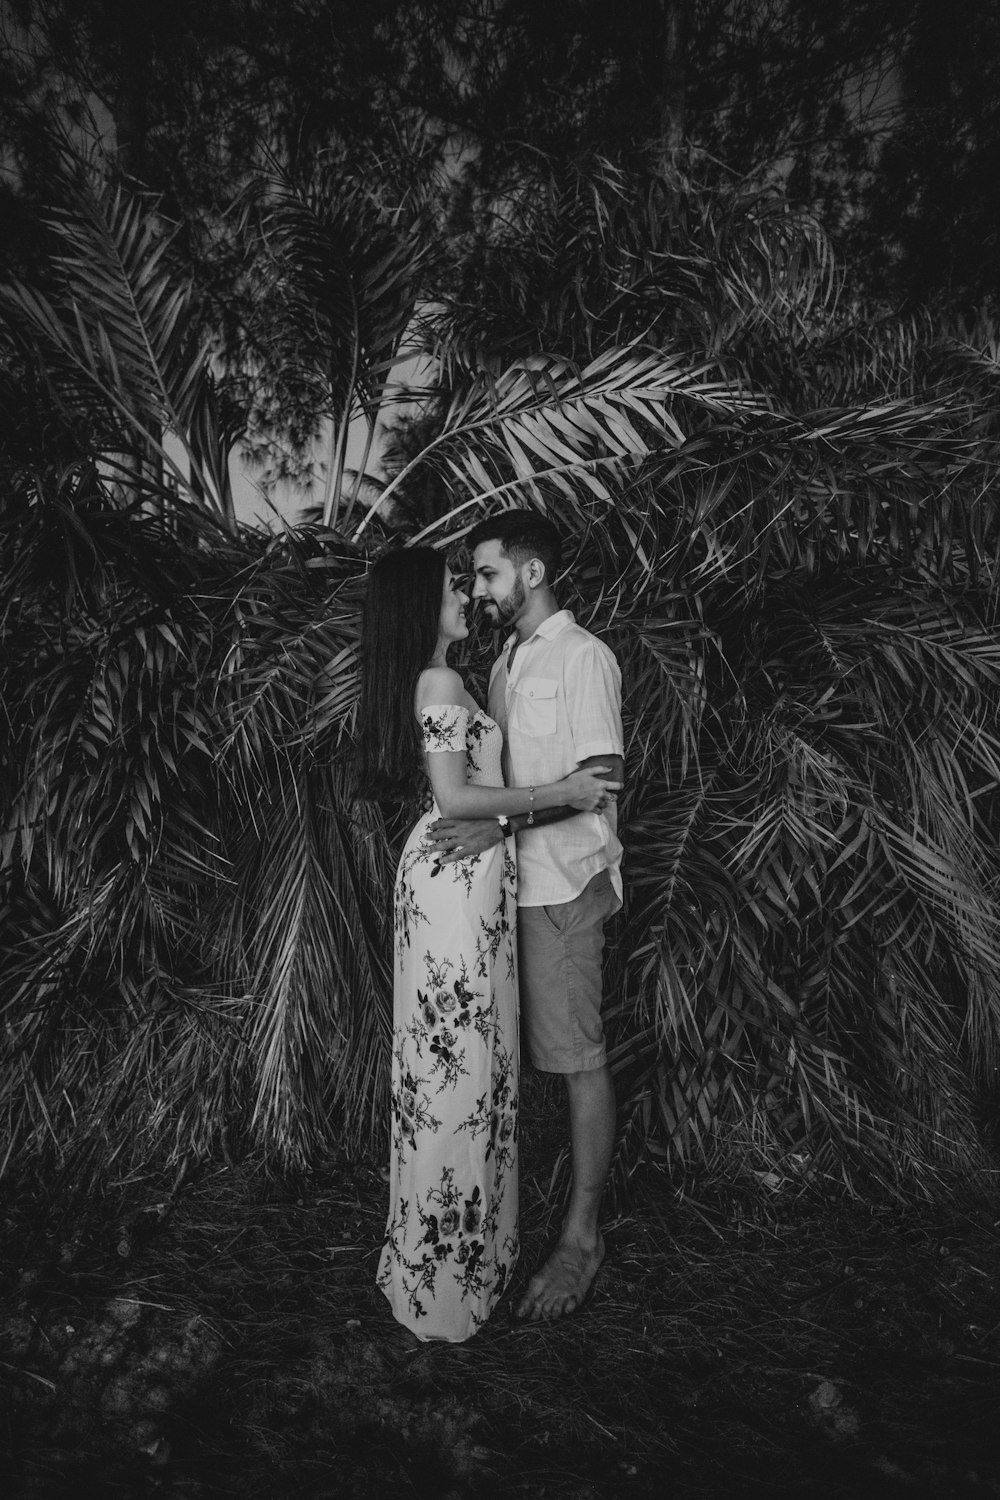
{"type": "Point", "coordinates": [779, 512]}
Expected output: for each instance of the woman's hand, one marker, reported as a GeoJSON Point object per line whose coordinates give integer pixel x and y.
{"type": "Point", "coordinates": [588, 791]}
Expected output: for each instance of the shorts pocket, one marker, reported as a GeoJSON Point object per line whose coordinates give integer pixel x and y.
{"type": "Point", "coordinates": [536, 711]}
{"type": "Point", "coordinates": [556, 915]}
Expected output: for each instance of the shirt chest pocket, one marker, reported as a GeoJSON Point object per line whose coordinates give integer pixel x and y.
{"type": "Point", "coordinates": [534, 706]}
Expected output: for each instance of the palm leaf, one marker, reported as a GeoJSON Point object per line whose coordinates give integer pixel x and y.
{"type": "Point", "coordinates": [123, 329]}
{"type": "Point", "coordinates": [340, 293]}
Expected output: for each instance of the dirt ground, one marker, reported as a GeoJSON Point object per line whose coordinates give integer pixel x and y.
{"type": "Point", "coordinates": [229, 1341]}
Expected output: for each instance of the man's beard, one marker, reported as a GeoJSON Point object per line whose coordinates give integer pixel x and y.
{"type": "Point", "coordinates": [509, 608]}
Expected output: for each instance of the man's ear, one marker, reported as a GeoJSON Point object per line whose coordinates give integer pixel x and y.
{"type": "Point", "coordinates": [534, 572]}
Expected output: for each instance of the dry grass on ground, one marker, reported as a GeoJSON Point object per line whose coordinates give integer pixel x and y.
{"type": "Point", "coordinates": [233, 1345]}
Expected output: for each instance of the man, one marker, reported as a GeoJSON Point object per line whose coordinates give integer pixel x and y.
{"type": "Point", "coordinates": [555, 691]}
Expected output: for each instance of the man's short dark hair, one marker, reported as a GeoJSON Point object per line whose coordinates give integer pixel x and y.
{"type": "Point", "coordinates": [522, 534]}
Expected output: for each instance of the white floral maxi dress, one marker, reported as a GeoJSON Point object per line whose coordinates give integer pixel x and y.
{"type": "Point", "coordinates": [452, 1231]}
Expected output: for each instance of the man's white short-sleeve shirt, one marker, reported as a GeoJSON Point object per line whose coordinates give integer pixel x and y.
{"type": "Point", "coordinates": [557, 704]}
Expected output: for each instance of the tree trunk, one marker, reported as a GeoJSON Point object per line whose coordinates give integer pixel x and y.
{"type": "Point", "coordinates": [673, 33]}
{"type": "Point", "coordinates": [135, 51]}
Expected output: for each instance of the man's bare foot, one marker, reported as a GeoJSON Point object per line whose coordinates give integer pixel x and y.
{"type": "Point", "coordinates": [563, 1283]}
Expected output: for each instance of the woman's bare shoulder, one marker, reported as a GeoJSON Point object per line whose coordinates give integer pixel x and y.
{"type": "Point", "coordinates": [441, 685]}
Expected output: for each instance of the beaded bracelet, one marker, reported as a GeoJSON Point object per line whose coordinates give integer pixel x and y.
{"type": "Point", "coordinates": [531, 805]}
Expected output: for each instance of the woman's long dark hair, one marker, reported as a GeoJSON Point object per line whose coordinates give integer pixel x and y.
{"type": "Point", "coordinates": [399, 632]}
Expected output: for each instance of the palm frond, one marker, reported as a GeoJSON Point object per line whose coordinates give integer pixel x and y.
{"type": "Point", "coordinates": [342, 279]}
{"type": "Point", "coordinates": [122, 329]}
{"type": "Point", "coordinates": [544, 427]}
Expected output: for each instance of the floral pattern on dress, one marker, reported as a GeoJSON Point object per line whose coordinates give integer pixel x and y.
{"type": "Point", "coordinates": [452, 1231]}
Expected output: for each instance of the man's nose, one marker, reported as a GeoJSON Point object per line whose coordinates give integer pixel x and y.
{"type": "Point", "coordinates": [479, 589]}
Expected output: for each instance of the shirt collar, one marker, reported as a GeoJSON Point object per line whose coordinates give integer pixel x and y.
{"type": "Point", "coordinates": [548, 629]}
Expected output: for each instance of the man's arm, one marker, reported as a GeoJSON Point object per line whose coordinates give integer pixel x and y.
{"type": "Point", "coordinates": [458, 838]}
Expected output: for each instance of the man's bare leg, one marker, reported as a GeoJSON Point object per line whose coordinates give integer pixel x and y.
{"type": "Point", "coordinates": [565, 1279]}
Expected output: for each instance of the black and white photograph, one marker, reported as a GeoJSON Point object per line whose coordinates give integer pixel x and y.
{"type": "Point", "coordinates": [499, 750]}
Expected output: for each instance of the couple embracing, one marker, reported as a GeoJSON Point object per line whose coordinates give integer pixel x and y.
{"type": "Point", "coordinates": [501, 896]}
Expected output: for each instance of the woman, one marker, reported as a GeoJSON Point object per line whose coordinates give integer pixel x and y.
{"type": "Point", "coordinates": [451, 1237]}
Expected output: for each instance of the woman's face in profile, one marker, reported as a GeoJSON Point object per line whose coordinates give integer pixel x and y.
{"type": "Point", "coordinates": [452, 624]}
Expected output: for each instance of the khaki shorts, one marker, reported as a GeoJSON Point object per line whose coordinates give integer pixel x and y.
{"type": "Point", "coordinates": [559, 957]}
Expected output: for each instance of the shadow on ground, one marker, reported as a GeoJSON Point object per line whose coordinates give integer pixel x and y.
{"type": "Point", "coordinates": [230, 1342]}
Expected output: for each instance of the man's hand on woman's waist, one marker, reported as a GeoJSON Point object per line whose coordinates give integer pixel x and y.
{"type": "Point", "coordinates": [460, 838]}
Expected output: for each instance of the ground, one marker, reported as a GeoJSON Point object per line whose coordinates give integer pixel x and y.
{"type": "Point", "coordinates": [228, 1341]}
